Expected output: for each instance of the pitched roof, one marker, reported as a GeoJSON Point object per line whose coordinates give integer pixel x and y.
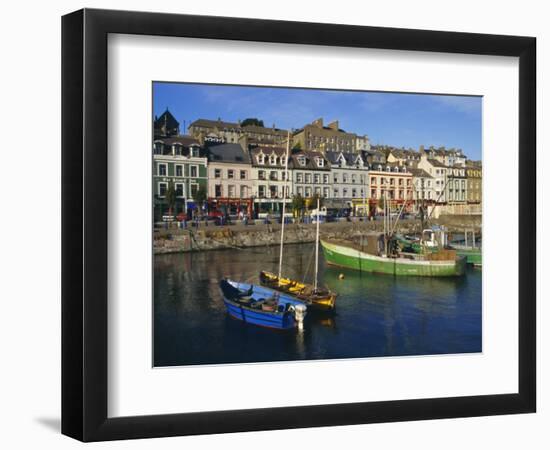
{"type": "Point", "coordinates": [419, 173]}
{"type": "Point", "coordinates": [228, 153]}
{"type": "Point", "coordinates": [257, 129]}
{"type": "Point", "coordinates": [350, 158]}
{"type": "Point", "coordinates": [207, 123]}
{"type": "Point", "coordinates": [184, 140]}
{"type": "Point", "coordinates": [311, 160]}
{"type": "Point", "coordinates": [166, 119]}
{"type": "Point", "coordinates": [267, 151]}
{"type": "Point", "coordinates": [436, 163]}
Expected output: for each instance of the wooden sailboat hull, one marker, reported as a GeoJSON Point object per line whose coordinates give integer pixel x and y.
{"type": "Point", "coordinates": [322, 301]}
{"type": "Point", "coordinates": [281, 317]}
{"type": "Point", "coordinates": [339, 254]}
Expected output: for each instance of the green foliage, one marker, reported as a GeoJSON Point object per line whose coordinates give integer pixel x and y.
{"type": "Point", "coordinates": [298, 204]}
{"type": "Point", "coordinates": [312, 204]}
{"type": "Point", "coordinates": [171, 196]}
{"type": "Point", "coordinates": [200, 196]}
{"type": "Point", "coordinates": [252, 121]}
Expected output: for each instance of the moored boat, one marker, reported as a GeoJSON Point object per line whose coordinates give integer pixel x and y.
{"type": "Point", "coordinates": [260, 306]}
{"type": "Point", "coordinates": [316, 299]}
{"type": "Point", "coordinates": [430, 243]}
{"type": "Point", "coordinates": [353, 255]}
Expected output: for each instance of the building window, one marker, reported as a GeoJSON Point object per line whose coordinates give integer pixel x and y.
{"type": "Point", "coordinates": [316, 178]}
{"type": "Point", "coordinates": [162, 189]}
{"type": "Point", "coordinates": [162, 170]}
{"type": "Point", "coordinates": [179, 171]}
{"type": "Point", "coordinates": [308, 191]}
{"type": "Point", "coordinates": [230, 174]}
{"type": "Point", "coordinates": [179, 189]}
{"type": "Point", "coordinates": [335, 178]}
{"type": "Point", "coordinates": [194, 171]}
{"type": "Point", "coordinates": [194, 189]}
{"type": "Point", "coordinates": [345, 178]}
{"type": "Point", "coordinates": [244, 192]}
{"type": "Point", "coordinates": [158, 148]}
{"type": "Point", "coordinates": [373, 180]}
{"type": "Point", "coordinates": [261, 175]}
{"type": "Point", "coordinates": [231, 191]}
{"type": "Point", "coordinates": [261, 191]}
{"type": "Point", "coordinates": [344, 192]}
{"type": "Point", "coordinates": [273, 175]}
{"type": "Point", "coordinates": [302, 160]}
{"type": "Point", "coordinates": [325, 178]}
{"type": "Point", "coordinates": [353, 179]}
{"type": "Point", "coordinates": [217, 173]}
{"type": "Point", "coordinates": [273, 191]}
{"type": "Point", "coordinates": [243, 174]}
{"type": "Point", "coordinates": [354, 193]}
{"type": "Point", "coordinates": [308, 178]}
{"type": "Point", "coordinates": [299, 190]}
{"type": "Point", "coordinates": [218, 191]}
{"type": "Point", "coordinates": [299, 177]}
{"type": "Point", "coordinates": [336, 192]}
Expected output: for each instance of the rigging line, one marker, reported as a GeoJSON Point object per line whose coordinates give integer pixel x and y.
{"type": "Point", "coordinates": [308, 266]}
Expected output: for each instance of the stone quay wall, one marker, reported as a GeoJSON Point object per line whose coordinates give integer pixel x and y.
{"type": "Point", "coordinates": [175, 240]}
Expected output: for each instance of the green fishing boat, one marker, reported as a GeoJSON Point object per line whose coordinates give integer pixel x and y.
{"type": "Point", "coordinates": [429, 242]}
{"type": "Point", "coordinates": [355, 255]}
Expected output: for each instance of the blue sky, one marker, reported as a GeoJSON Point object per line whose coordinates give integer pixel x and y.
{"type": "Point", "coordinates": [408, 120]}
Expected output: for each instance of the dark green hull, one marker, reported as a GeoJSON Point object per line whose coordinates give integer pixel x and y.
{"type": "Point", "coordinates": [472, 255]}
{"type": "Point", "coordinates": [347, 256]}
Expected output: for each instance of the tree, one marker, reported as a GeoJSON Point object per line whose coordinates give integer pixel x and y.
{"type": "Point", "coordinates": [200, 197]}
{"type": "Point", "coordinates": [170, 197]}
{"type": "Point", "coordinates": [381, 203]}
{"type": "Point", "coordinates": [313, 201]}
{"type": "Point", "coordinates": [298, 205]}
{"type": "Point", "coordinates": [252, 121]}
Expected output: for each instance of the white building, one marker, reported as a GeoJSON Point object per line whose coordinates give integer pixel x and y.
{"type": "Point", "coordinates": [423, 186]}
{"type": "Point", "coordinates": [268, 178]}
{"type": "Point", "coordinates": [349, 177]}
{"type": "Point", "coordinates": [438, 171]}
{"type": "Point", "coordinates": [310, 172]}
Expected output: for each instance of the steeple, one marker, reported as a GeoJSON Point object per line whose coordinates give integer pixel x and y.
{"type": "Point", "coordinates": [166, 125]}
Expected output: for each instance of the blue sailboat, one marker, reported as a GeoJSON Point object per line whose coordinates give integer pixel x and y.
{"type": "Point", "coordinates": [261, 306]}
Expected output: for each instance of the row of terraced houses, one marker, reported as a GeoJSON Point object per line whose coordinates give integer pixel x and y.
{"type": "Point", "coordinates": [242, 168]}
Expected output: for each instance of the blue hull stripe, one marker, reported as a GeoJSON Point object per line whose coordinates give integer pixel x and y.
{"type": "Point", "coordinates": [262, 318]}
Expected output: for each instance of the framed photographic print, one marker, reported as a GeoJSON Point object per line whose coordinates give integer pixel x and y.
{"type": "Point", "coordinates": [273, 224]}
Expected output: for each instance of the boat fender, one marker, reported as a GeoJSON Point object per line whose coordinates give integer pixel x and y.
{"type": "Point", "coordinates": [299, 315]}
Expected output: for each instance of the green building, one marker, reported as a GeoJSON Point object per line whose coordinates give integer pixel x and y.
{"type": "Point", "coordinates": [180, 161]}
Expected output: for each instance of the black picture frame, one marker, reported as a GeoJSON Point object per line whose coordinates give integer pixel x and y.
{"type": "Point", "coordinates": [84, 224]}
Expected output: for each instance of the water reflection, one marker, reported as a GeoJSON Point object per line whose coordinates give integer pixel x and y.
{"type": "Point", "coordinates": [377, 315]}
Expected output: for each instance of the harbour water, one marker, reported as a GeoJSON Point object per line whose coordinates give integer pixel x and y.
{"type": "Point", "coordinates": [376, 315]}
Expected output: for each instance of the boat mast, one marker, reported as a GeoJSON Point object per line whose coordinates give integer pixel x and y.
{"type": "Point", "coordinates": [284, 207]}
{"type": "Point", "coordinates": [317, 246]}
